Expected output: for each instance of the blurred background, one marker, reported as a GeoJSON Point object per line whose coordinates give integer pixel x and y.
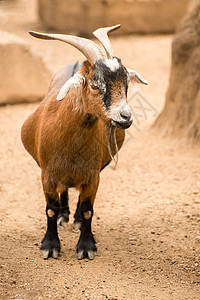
{"type": "Point", "coordinates": [143, 42]}
{"type": "Point", "coordinates": [83, 16]}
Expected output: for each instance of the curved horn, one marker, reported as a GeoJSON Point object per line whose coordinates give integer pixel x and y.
{"type": "Point", "coordinates": [102, 35]}
{"type": "Point", "coordinates": [91, 50]}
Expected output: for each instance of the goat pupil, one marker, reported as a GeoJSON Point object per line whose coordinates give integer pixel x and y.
{"type": "Point", "coordinates": [95, 87]}
{"type": "Point", "coordinates": [126, 89]}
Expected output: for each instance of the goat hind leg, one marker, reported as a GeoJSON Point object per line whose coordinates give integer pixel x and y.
{"type": "Point", "coordinates": [63, 216]}
{"type": "Point", "coordinates": [77, 217]}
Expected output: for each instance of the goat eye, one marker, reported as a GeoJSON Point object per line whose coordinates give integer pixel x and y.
{"type": "Point", "coordinates": [94, 87]}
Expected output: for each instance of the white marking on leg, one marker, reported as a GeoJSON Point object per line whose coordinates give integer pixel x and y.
{"type": "Point", "coordinates": [87, 214]}
{"type": "Point", "coordinates": [61, 222]}
{"type": "Point", "coordinates": [77, 226]}
{"type": "Point", "coordinates": [50, 213]}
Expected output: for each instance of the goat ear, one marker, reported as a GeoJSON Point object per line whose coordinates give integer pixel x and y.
{"type": "Point", "coordinates": [74, 82]}
{"type": "Point", "coordinates": [135, 77]}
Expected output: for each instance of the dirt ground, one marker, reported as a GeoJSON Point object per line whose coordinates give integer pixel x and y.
{"type": "Point", "coordinates": [147, 212]}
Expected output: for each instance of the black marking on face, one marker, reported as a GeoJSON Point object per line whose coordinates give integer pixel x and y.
{"type": "Point", "coordinates": [105, 79]}
{"type": "Point", "coordinates": [89, 121]}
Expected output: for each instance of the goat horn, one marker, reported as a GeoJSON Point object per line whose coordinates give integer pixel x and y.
{"type": "Point", "coordinates": [91, 50]}
{"type": "Point", "coordinates": [102, 35]}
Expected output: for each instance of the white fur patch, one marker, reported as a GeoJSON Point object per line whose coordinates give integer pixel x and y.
{"type": "Point", "coordinates": [112, 64]}
{"type": "Point", "coordinates": [117, 108]}
{"type": "Point", "coordinates": [73, 82]}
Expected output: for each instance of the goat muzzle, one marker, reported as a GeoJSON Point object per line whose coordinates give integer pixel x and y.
{"type": "Point", "coordinates": [121, 116]}
{"type": "Point", "coordinates": [122, 124]}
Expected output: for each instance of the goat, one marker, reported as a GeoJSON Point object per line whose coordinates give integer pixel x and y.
{"type": "Point", "coordinates": [76, 131]}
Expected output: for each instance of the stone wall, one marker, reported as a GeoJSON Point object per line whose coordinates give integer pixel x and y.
{"type": "Point", "coordinates": [23, 75]}
{"type": "Point", "coordinates": [135, 16]}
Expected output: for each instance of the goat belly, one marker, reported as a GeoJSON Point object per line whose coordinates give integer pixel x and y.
{"type": "Point", "coordinates": [73, 170]}
{"type": "Point", "coordinates": [72, 176]}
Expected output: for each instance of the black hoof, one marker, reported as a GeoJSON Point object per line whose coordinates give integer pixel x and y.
{"type": "Point", "coordinates": [86, 248]}
{"type": "Point", "coordinates": [89, 255]}
{"type": "Point", "coordinates": [50, 247]}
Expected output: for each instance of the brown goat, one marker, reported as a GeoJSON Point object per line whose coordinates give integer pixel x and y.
{"type": "Point", "coordinates": [74, 139]}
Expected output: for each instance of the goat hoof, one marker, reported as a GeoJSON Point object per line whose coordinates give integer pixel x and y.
{"type": "Point", "coordinates": [77, 226]}
{"type": "Point", "coordinates": [50, 247]}
{"type": "Point", "coordinates": [55, 253]}
{"type": "Point", "coordinates": [45, 254]}
{"type": "Point", "coordinates": [90, 255]}
{"type": "Point", "coordinates": [81, 254]}
{"type": "Point", "coordinates": [62, 221]}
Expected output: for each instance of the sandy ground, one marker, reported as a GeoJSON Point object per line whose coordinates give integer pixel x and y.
{"type": "Point", "coordinates": [147, 212]}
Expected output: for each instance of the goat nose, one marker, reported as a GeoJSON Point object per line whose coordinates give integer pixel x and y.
{"type": "Point", "coordinates": [126, 115]}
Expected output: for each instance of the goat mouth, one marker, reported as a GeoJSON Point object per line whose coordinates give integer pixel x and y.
{"type": "Point", "coordinates": [122, 125]}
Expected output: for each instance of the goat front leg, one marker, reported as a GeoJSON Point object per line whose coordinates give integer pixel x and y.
{"type": "Point", "coordinates": [86, 244]}
{"type": "Point", "coordinates": [51, 243]}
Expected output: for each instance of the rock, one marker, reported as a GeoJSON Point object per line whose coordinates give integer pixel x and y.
{"type": "Point", "coordinates": [181, 114]}
{"type": "Point", "coordinates": [23, 75]}
{"type": "Point", "coordinates": [135, 16]}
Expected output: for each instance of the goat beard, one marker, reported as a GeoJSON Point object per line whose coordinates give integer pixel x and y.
{"type": "Point", "coordinates": [111, 140]}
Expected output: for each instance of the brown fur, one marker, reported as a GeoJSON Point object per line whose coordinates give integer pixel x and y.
{"type": "Point", "coordinates": [68, 153]}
